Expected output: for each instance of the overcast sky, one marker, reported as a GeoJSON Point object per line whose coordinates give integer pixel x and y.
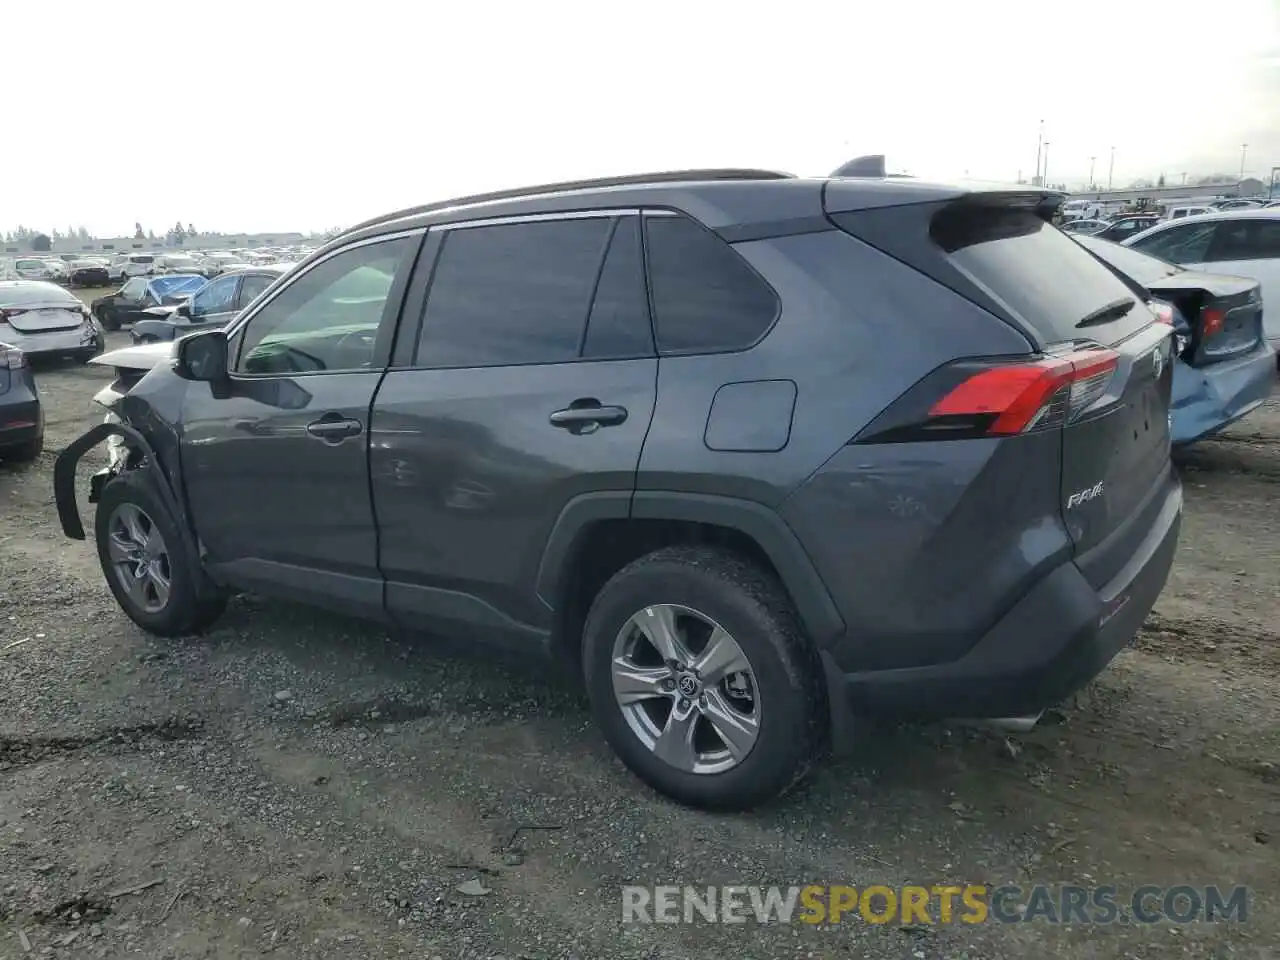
{"type": "Point", "coordinates": [283, 115]}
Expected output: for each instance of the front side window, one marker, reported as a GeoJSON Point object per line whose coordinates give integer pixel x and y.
{"type": "Point", "coordinates": [1185, 243]}
{"type": "Point", "coordinates": [216, 297]}
{"type": "Point", "coordinates": [329, 317]}
{"type": "Point", "coordinates": [512, 293]}
{"type": "Point", "coordinates": [134, 289]}
{"type": "Point", "coordinates": [705, 297]}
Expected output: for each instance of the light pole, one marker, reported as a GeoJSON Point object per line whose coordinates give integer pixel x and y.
{"type": "Point", "coordinates": [1244, 149]}
{"type": "Point", "coordinates": [1112, 168]}
{"type": "Point", "coordinates": [1091, 162]}
{"type": "Point", "coordinates": [1039, 146]}
{"type": "Point", "coordinates": [1044, 179]}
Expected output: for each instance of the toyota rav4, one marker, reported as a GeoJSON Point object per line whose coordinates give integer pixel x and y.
{"type": "Point", "coordinates": [760, 455]}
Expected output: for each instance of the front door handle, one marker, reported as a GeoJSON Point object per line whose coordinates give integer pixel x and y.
{"type": "Point", "coordinates": [587, 416]}
{"type": "Point", "coordinates": [334, 428]}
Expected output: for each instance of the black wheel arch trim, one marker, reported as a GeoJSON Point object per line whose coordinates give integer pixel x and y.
{"type": "Point", "coordinates": [765, 526]}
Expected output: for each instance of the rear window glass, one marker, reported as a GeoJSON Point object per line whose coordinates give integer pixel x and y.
{"type": "Point", "coordinates": [142, 259]}
{"type": "Point", "coordinates": [1039, 273]}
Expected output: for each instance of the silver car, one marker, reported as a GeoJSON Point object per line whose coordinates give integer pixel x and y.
{"type": "Point", "coordinates": [42, 318]}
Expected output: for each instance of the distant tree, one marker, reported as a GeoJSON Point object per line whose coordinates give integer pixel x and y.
{"type": "Point", "coordinates": [151, 235]}
{"type": "Point", "coordinates": [137, 231]}
{"type": "Point", "coordinates": [1160, 182]}
{"type": "Point", "coordinates": [41, 243]}
{"type": "Point", "coordinates": [57, 234]}
{"type": "Point", "coordinates": [82, 233]}
{"type": "Point", "coordinates": [191, 231]}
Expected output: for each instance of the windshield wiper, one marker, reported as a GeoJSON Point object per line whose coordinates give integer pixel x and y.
{"type": "Point", "coordinates": [1112, 311]}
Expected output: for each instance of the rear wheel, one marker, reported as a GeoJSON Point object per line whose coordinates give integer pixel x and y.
{"type": "Point", "coordinates": [701, 678]}
{"type": "Point", "coordinates": [148, 569]}
{"type": "Point", "coordinates": [107, 317]}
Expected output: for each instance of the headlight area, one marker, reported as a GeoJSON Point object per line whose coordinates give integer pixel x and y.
{"type": "Point", "coordinates": [117, 451]}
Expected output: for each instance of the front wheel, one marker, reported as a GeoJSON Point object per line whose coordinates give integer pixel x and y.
{"type": "Point", "coordinates": [701, 678]}
{"type": "Point", "coordinates": [108, 319]}
{"type": "Point", "coordinates": [143, 556]}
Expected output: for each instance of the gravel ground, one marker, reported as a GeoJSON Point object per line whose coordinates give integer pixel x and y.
{"type": "Point", "coordinates": [292, 783]}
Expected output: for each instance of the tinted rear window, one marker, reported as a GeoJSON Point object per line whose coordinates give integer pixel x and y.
{"type": "Point", "coordinates": [1039, 273]}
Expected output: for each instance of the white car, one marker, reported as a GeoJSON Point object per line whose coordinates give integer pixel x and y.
{"type": "Point", "coordinates": [178, 263]}
{"type": "Point", "coordinates": [38, 318]}
{"type": "Point", "coordinates": [1188, 210]}
{"type": "Point", "coordinates": [1244, 243]}
{"type": "Point", "coordinates": [133, 265]}
{"type": "Point", "coordinates": [36, 268]}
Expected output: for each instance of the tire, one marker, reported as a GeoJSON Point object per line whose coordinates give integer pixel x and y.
{"type": "Point", "coordinates": [108, 319]}
{"type": "Point", "coordinates": [191, 606]}
{"type": "Point", "coordinates": [23, 452]}
{"type": "Point", "coordinates": [707, 588]}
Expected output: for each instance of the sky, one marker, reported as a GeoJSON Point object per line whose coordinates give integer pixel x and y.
{"type": "Point", "coordinates": [281, 115]}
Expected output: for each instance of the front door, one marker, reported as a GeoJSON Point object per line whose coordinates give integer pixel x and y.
{"type": "Point", "coordinates": [276, 461]}
{"type": "Point", "coordinates": [532, 382]}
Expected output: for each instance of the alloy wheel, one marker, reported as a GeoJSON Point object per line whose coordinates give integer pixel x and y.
{"type": "Point", "coordinates": [139, 557]}
{"type": "Point", "coordinates": [686, 689]}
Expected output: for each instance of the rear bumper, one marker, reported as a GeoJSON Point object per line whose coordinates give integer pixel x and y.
{"type": "Point", "coordinates": [1207, 399]}
{"type": "Point", "coordinates": [21, 417]}
{"type": "Point", "coordinates": [55, 341]}
{"type": "Point", "coordinates": [1056, 639]}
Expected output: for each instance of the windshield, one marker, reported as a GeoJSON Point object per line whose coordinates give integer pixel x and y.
{"type": "Point", "coordinates": [1142, 267]}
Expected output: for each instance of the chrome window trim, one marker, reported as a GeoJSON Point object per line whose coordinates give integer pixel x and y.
{"type": "Point", "coordinates": [251, 311]}
{"type": "Point", "coordinates": [597, 214]}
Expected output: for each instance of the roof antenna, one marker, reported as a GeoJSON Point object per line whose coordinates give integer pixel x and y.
{"type": "Point", "coordinates": [869, 166]}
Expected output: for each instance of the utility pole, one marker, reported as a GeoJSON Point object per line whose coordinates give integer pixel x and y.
{"type": "Point", "coordinates": [1184, 179]}
{"type": "Point", "coordinates": [1044, 179]}
{"type": "Point", "coordinates": [1244, 149]}
{"type": "Point", "coordinates": [1036, 182]}
{"type": "Point", "coordinates": [1091, 162]}
{"type": "Point", "coordinates": [1111, 170]}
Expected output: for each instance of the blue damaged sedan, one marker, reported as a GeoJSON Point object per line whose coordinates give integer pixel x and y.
{"type": "Point", "coordinates": [1224, 368]}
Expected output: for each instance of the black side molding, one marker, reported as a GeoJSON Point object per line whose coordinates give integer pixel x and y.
{"type": "Point", "coordinates": [760, 523]}
{"type": "Point", "coordinates": [64, 474]}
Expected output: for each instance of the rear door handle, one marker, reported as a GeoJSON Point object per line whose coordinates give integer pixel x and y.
{"type": "Point", "coordinates": [587, 416]}
{"type": "Point", "coordinates": [334, 428]}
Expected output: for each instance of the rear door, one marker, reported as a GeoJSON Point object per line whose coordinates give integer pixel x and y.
{"type": "Point", "coordinates": [531, 381]}
{"type": "Point", "coordinates": [1115, 444]}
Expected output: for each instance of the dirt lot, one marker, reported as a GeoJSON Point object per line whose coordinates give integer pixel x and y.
{"type": "Point", "coordinates": [296, 784]}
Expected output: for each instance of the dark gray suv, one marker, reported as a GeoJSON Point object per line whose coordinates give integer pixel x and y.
{"type": "Point", "coordinates": [759, 454]}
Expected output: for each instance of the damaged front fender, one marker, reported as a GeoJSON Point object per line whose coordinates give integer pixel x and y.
{"type": "Point", "coordinates": [64, 474]}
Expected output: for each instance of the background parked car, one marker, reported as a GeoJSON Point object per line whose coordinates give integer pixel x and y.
{"type": "Point", "coordinates": [38, 317]}
{"type": "Point", "coordinates": [169, 263]}
{"type": "Point", "coordinates": [214, 305]}
{"type": "Point", "coordinates": [133, 265]}
{"type": "Point", "coordinates": [1085, 227]}
{"type": "Point", "coordinates": [89, 273]}
{"type": "Point", "coordinates": [1122, 228]}
{"type": "Point", "coordinates": [35, 268]}
{"type": "Point", "coordinates": [21, 416]}
{"type": "Point", "coordinates": [139, 294]}
{"type": "Point", "coordinates": [1245, 243]}
{"type": "Point", "coordinates": [1224, 368]}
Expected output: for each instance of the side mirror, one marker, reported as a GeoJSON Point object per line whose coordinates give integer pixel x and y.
{"type": "Point", "coordinates": [202, 356]}
{"type": "Point", "coordinates": [183, 309]}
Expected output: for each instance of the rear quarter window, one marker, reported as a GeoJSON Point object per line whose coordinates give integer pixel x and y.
{"type": "Point", "coordinates": [1036, 271]}
{"type": "Point", "coordinates": [706, 299]}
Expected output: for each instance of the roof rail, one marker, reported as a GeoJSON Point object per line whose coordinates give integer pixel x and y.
{"type": "Point", "coordinates": [670, 176]}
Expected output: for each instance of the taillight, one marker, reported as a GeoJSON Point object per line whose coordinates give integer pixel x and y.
{"type": "Point", "coordinates": [12, 358]}
{"type": "Point", "coordinates": [1163, 312]}
{"type": "Point", "coordinates": [996, 400]}
{"type": "Point", "coordinates": [1212, 321]}
{"type": "Point", "coordinates": [8, 312]}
